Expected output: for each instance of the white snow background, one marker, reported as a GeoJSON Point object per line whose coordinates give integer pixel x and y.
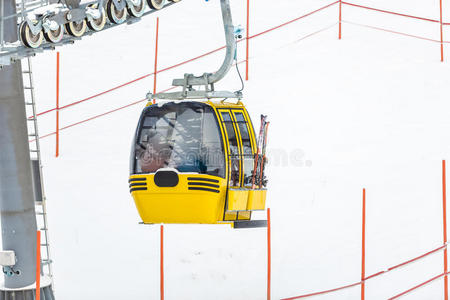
{"type": "Point", "coordinates": [371, 110]}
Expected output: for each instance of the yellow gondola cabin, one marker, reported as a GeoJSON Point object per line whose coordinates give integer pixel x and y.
{"type": "Point", "coordinates": [197, 162]}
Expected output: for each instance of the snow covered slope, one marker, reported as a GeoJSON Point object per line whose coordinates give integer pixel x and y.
{"type": "Point", "coordinates": [371, 110]}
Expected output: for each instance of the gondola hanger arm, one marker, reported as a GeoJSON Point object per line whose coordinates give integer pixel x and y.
{"type": "Point", "coordinates": [212, 78]}
{"type": "Point", "coordinates": [209, 79]}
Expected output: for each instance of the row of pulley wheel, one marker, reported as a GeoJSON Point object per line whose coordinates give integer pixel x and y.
{"type": "Point", "coordinates": [54, 33]}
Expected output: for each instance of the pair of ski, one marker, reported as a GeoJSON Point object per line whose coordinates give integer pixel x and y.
{"type": "Point", "coordinates": [258, 178]}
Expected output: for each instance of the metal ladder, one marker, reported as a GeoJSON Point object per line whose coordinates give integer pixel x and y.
{"type": "Point", "coordinates": [35, 155]}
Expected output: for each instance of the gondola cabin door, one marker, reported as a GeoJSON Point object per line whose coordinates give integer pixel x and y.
{"type": "Point", "coordinates": [241, 149]}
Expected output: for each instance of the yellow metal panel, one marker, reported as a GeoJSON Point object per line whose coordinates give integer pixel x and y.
{"type": "Point", "coordinates": [244, 215]}
{"type": "Point", "coordinates": [237, 199]}
{"type": "Point", "coordinates": [257, 199]}
{"type": "Point", "coordinates": [180, 204]}
{"type": "Point", "coordinates": [230, 216]}
{"type": "Point", "coordinates": [224, 104]}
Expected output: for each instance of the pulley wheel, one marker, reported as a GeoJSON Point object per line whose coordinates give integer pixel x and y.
{"type": "Point", "coordinates": [156, 4]}
{"type": "Point", "coordinates": [55, 36]}
{"type": "Point", "coordinates": [116, 16]}
{"type": "Point", "coordinates": [76, 29]}
{"type": "Point", "coordinates": [99, 23]}
{"type": "Point", "coordinates": [137, 10]}
{"type": "Point", "coordinates": [28, 38]}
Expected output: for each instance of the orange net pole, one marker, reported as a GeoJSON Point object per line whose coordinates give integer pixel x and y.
{"type": "Point", "coordinates": [442, 31]}
{"type": "Point", "coordinates": [340, 19]}
{"type": "Point", "coordinates": [156, 58]}
{"type": "Point", "coordinates": [363, 254]}
{"type": "Point", "coordinates": [57, 104]}
{"type": "Point", "coordinates": [444, 223]}
{"type": "Point", "coordinates": [247, 40]}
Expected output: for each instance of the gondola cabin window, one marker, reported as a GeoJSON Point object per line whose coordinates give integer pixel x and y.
{"type": "Point", "coordinates": [184, 137]}
{"type": "Point", "coordinates": [247, 156]}
{"type": "Point", "coordinates": [233, 147]}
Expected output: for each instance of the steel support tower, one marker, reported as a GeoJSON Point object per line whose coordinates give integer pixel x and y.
{"type": "Point", "coordinates": [17, 202]}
